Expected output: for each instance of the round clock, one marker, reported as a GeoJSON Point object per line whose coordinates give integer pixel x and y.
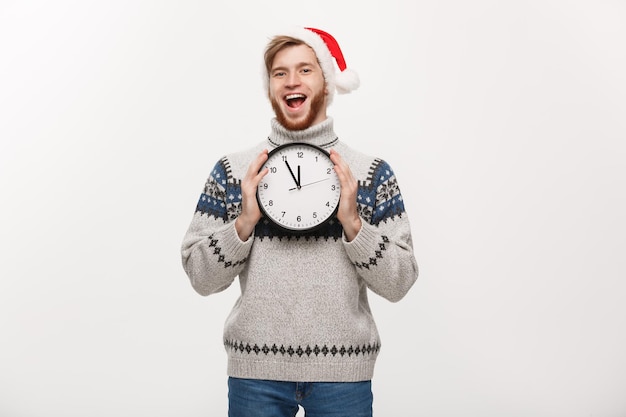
{"type": "Point", "coordinates": [301, 189]}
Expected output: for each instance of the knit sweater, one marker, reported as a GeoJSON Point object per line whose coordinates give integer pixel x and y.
{"type": "Point", "coordinates": [303, 313]}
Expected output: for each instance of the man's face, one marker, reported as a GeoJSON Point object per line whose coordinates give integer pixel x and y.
{"type": "Point", "coordinates": [297, 89]}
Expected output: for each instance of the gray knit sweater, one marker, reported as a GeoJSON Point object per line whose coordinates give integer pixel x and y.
{"type": "Point", "coordinates": [303, 313]}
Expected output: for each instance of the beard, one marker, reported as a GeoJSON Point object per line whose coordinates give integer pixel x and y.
{"type": "Point", "coordinates": [317, 103]}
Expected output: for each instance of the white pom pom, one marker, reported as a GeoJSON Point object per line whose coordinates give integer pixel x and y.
{"type": "Point", "coordinates": [346, 81]}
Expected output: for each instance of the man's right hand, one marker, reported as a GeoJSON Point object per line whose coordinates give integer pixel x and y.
{"type": "Point", "coordinates": [250, 212]}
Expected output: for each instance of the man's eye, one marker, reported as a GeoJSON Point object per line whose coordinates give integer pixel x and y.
{"type": "Point", "coordinates": [279, 74]}
{"type": "Point", "coordinates": [306, 70]}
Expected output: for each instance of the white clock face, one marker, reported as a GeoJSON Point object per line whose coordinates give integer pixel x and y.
{"type": "Point", "coordinates": [301, 190]}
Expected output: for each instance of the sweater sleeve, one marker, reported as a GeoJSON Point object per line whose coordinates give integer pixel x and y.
{"type": "Point", "coordinates": [382, 251]}
{"type": "Point", "coordinates": [212, 253]}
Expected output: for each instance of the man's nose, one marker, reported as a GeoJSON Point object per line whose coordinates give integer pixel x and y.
{"type": "Point", "coordinates": [293, 78]}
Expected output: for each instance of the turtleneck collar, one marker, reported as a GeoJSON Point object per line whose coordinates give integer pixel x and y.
{"type": "Point", "coordinates": [321, 134]}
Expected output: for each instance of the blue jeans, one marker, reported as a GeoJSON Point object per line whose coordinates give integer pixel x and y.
{"type": "Point", "coordinates": [261, 398]}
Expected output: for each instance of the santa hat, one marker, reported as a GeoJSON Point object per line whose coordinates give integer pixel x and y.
{"type": "Point", "coordinates": [330, 58]}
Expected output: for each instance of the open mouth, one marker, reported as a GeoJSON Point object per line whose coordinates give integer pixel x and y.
{"type": "Point", "coordinates": [295, 100]}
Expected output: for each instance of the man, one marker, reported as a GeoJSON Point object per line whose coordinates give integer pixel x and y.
{"type": "Point", "coordinates": [302, 332]}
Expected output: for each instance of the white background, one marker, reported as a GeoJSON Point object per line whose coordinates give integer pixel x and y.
{"type": "Point", "coordinates": [504, 121]}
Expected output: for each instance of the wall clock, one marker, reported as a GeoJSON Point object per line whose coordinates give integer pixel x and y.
{"type": "Point", "coordinates": [301, 189]}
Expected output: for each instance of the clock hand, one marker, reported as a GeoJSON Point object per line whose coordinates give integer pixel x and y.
{"type": "Point", "coordinates": [311, 183]}
{"type": "Point", "coordinates": [297, 181]}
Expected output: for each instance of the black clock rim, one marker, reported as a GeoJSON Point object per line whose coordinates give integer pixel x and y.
{"type": "Point", "coordinates": [280, 226]}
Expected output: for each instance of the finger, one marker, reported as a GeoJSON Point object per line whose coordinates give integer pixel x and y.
{"type": "Point", "coordinates": [259, 161]}
{"type": "Point", "coordinates": [253, 175]}
{"type": "Point", "coordinates": [342, 169]}
{"type": "Point", "coordinates": [339, 164]}
{"type": "Point", "coordinates": [335, 157]}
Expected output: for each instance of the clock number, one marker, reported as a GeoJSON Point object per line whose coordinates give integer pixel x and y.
{"type": "Point", "coordinates": [270, 203]}
{"type": "Point", "coordinates": [264, 186]}
{"type": "Point", "coordinates": [299, 219]}
{"type": "Point", "coordinates": [333, 187]}
{"type": "Point", "coordinates": [300, 154]}
{"type": "Point", "coordinates": [272, 170]}
{"type": "Point", "coordinates": [283, 213]}
{"type": "Point", "coordinates": [328, 204]}
{"type": "Point", "coordinates": [315, 214]}
{"type": "Point", "coordinates": [329, 171]}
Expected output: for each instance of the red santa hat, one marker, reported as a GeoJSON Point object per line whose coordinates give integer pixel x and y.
{"type": "Point", "coordinates": [338, 76]}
